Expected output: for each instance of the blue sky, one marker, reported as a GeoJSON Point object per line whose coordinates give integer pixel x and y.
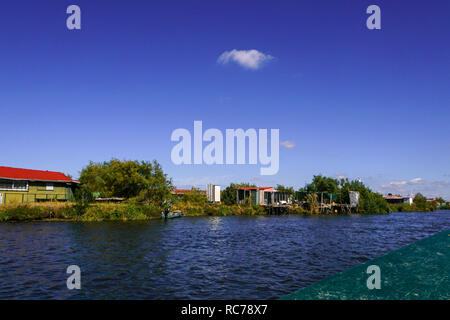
{"type": "Point", "coordinates": [373, 104]}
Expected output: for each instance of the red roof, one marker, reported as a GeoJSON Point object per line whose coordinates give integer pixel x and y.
{"type": "Point", "coordinates": [394, 197]}
{"type": "Point", "coordinates": [36, 175]}
{"type": "Point", "coordinates": [254, 188]}
{"type": "Point", "coordinates": [182, 191]}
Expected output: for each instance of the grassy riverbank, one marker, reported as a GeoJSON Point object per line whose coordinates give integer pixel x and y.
{"type": "Point", "coordinates": [147, 190]}
{"type": "Point", "coordinates": [65, 211]}
{"type": "Point", "coordinates": [77, 212]}
{"type": "Point", "coordinates": [54, 211]}
{"type": "Point", "coordinates": [420, 204]}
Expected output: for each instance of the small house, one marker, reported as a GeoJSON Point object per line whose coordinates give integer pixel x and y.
{"type": "Point", "coordinates": [27, 186]}
{"type": "Point", "coordinates": [397, 199]}
{"type": "Point", "coordinates": [261, 196]}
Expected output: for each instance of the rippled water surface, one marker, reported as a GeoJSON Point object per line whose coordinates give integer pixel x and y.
{"type": "Point", "coordinates": [197, 258]}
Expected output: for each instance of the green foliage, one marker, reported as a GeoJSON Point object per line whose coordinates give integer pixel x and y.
{"type": "Point", "coordinates": [38, 211]}
{"type": "Point", "coordinates": [143, 180]}
{"type": "Point", "coordinates": [322, 184]}
{"type": "Point", "coordinates": [401, 207]}
{"type": "Point", "coordinates": [195, 197]}
{"type": "Point", "coordinates": [194, 203]}
{"type": "Point", "coordinates": [121, 211]}
{"type": "Point", "coordinates": [224, 210]}
{"type": "Point", "coordinates": [228, 195]}
{"type": "Point", "coordinates": [440, 203]}
{"type": "Point", "coordinates": [83, 195]}
{"type": "Point", "coordinates": [369, 202]}
{"type": "Point", "coordinates": [372, 203]}
{"type": "Point", "coordinates": [75, 211]}
{"type": "Point", "coordinates": [294, 209]}
{"type": "Point", "coordinates": [421, 204]}
{"type": "Point", "coordinates": [312, 203]}
{"type": "Point", "coordinates": [351, 185]}
{"type": "Point", "coordinates": [288, 190]}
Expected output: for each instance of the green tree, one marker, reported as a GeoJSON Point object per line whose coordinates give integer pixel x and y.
{"type": "Point", "coordinates": [322, 184]}
{"type": "Point", "coordinates": [228, 195]}
{"type": "Point", "coordinates": [369, 202]}
{"type": "Point", "coordinates": [420, 203]}
{"type": "Point", "coordinates": [195, 197]}
{"type": "Point", "coordinates": [289, 190]}
{"type": "Point", "coordinates": [312, 203]}
{"type": "Point", "coordinates": [439, 203]}
{"type": "Point", "coordinates": [143, 180]}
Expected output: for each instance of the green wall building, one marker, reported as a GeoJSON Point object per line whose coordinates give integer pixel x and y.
{"type": "Point", "coordinates": [28, 186]}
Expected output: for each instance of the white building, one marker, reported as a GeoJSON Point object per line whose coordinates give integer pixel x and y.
{"type": "Point", "coordinates": [213, 193]}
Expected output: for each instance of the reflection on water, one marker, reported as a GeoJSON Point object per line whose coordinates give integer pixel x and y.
{"type": "Point", "coordinates": [197, 258]}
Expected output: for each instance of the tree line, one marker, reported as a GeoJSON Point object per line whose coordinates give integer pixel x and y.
{"type": "Point", "coordinates": [145, 182]}
{"type": "Point", "coordinates": [138, 180]}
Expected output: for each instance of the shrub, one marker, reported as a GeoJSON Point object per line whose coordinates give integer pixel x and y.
{"type": "Point", "coordinates": [37, 211]}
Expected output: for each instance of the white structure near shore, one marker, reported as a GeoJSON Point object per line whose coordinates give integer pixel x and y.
{"type": "Point", "coordinates": [213, 193]}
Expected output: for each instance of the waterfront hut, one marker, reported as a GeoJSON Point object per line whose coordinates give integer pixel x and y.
{"type": "Point", "coordinates": [396, 199]}
{"type": "Point", "coordinates": [261, 196]}
{"type": "Point", "coordinates": [27, 186]}
{"type": "Point", "coordinates": [322, 197]}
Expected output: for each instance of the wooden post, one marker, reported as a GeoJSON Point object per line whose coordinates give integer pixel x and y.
{"type": "Point", "coordinates": [321, 202]}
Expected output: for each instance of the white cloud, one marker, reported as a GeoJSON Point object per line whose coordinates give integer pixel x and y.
{"type": "Point", "coordinates": [250, 59]}
{"type": "Point", "coordinates": [431, 189]}
{"type": "Point", "coordinates": [394, 184]}
{"type": "Point", "coordinates": [288, 144]}
{"type": "Point", "coordinates": [417, 181]}
{"type": "Point", "coordinates": [398, 184]}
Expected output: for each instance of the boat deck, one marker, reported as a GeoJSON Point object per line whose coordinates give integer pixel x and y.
{"type": "Point", "coordinates": [418, 271]}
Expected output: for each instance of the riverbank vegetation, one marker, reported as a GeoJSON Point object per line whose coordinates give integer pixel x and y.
{"type": "Point", "coordinates": [124, 211]}
{"type": "Point", "coordinates": [420, 204]}
{"type": "Point", "coordinates": [56, 211]}
{"type": "Point", "coordinates": [369, 202]}
{"type": "Point", "coordinates": [145, 191]}
{"type": "Point", "coordinates": [141, 181]}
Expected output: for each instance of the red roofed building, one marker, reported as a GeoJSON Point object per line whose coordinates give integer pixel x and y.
{"type": "Point", "coordinates": [395, 199]}
{"type": "Point", "coordinates": [25, 185]}
{"type": "Point", "coordinates": [187, 191]}
{"type": "Point", "coordinates": [261, 196]}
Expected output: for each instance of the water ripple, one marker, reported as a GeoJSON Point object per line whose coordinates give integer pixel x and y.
{"type": "Point", "coordinates": [197, 258]}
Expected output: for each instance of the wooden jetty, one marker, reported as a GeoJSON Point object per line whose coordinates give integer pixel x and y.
{"type": "Point", "coordinates": [277, 209]}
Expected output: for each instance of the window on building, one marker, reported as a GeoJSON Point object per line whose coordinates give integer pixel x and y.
{"type": "Point", "coordinates": [6, 185]}
{"type": "Point", "coordinates": [14, 185]}
{"type": "Point", "coordinates": [49, 187]}
{"type": "Point", "coordinates": [20, 185]}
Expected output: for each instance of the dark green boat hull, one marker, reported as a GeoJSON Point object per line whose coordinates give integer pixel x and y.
{"type": "Point", "coordinates": [171, 215]}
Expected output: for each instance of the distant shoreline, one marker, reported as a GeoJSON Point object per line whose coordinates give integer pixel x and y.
{"type": "Point", "coordinates": [98, 212]}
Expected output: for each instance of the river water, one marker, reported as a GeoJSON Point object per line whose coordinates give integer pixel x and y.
{"type": "Point", "coordinates": [197, 258]}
